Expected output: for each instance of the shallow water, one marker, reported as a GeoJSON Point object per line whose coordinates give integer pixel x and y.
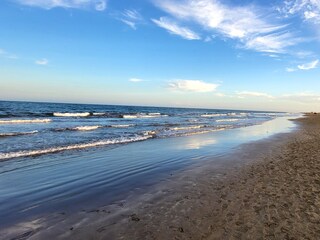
{"type": "Point", "coordinates": [93, 177]}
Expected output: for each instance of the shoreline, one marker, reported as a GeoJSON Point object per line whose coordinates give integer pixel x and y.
{"type": "Point", "coordinates": [189, 202]}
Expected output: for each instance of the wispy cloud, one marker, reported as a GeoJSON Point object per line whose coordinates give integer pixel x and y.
{"type": "Point", "coordinates": [136, 80]}
{"type": "Point", "coordinates": [99, 5]}
{"type": "Point", "coordinates": [42, 61]}
{"type": "Point", "coordinates": [5, 54]}
{"type": "Point", "coordinates": [309, 10]}
{"type": "Point", "coordinates": [131, 18]}
{"type": "Point", "coordinates": [303, 97]}
{"type": "Point", "coordinates": [244, 94]}
{"type": "Point", "coordinates": [174, 28]}
{"type": "Point", "coordinates": [272, 43]}
{"type": "Point", "coordinates": [308, 66]}
{"type": "Point", "coordinates": [304, 66]}
{"type": "Point", "coordinates": [192, 86]}
{"type": "Point", "coordinates": [254, 29]}
{"type": "Point", "coordinates": [289, 69]}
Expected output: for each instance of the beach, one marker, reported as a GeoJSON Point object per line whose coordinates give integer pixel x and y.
{"type": "Point", "coordinates": [268, 189]}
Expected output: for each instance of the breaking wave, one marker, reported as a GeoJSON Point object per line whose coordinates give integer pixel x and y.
{"type": "Point", "coordinates": [86, 128]}
{"type": "Point", "coordinates": [149, 115]}
{"type": "Point", "coordinates": [13, 134]}
{"type": "Point", "coordinates": [214, 115]}
{"type": "Point", "coordinates": [228, 120]}
{"type": "Point", "coordinates": [19, 121]}
{"type": "Point", "coordinates": [59, 114]}
{"type": "Point", "coordinates": [187, 127]}
{"type": "Point", "coordinates": [28, 153]}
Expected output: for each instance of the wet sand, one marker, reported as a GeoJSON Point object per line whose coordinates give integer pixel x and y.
{"type": "Point", "coordinates": [264, 190]}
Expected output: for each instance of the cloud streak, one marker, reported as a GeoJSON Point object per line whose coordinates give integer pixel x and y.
{"type": "Point", "coordinates": [43, 61]}
{"type": "Point", "coordinates": [192, 86]}
{"type": "Point", "coordinates": [248, 24]}
{"type": "Point", "coordinates": [305, 66]}
{"type": "Point", "coordinates": [136, 80]}
{"type": "Point", "coordinates": [98, 5]}
{"type": "Point", "coordinates": [244, 94]}
{"type": "Point", "coordinates": [308, 66]}
{"type": "Point", "coordinates": [174, 28]}
{"type": "Point", "coordinates": [131, 18]}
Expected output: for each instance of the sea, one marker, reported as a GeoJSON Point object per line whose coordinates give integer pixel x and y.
{"type": "Point", "coordinates": [30, 129]}
{"type": "Point", "coordinates": [57, 157]}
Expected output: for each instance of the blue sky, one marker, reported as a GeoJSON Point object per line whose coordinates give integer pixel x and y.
{"type": "Point", "coordinates": [261, 55]}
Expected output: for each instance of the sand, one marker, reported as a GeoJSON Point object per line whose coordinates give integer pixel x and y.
{"type": "Point", "coordinates": [268, 189]}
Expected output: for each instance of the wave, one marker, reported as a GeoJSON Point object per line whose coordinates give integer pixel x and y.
{"type": "Point", "coordinates": [187, 128]}
{"type": "Point", "coordinates": [79, 128]}
{"type": "Point", "coordinates": [91, 128]}
{"type": "Point", "coordinates": [122, 125]}
{"type": "Point", "coordinates": [149, 115]}
{"type": "Point", "coordinates": [129, 116]}
{"type": "Point", "coordinates": [86, 128]}
{"type": "Point", "coordinates": [29, 153]}
{"type": "Point", "coordinates": [13, 134]}
{"type": "Point", "coordinates": [18, 121]}
{"type": "Point", "coordinates": [228, 120]}
{"type": "Point", "coordinates": [59, 114]}
{"type": "Point", "coordinates": [213, 115]}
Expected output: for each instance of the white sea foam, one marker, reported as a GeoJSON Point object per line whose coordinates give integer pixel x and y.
{"type": "Point", "coordinates": [143, 115]}
{"type": "Point", "coordinates": [129, 116]}
{"type": "Point", "coordinates": [213, 115]}
{"type": "Point", "coordinates": [19, 121]}
{"type": "Point", "coordinates": [28, 153]}
{"type": "Point", "coordinates": [150, 133]}
{"type": "Point", "coordinates": [187, 128]}
{"type": "Point", "coordinates": [228, 120]}
{"type": "Point", "coordinates": [98, 114]}
{"type": "Point", "coordinates": [148, 116]}
{"type": "Point", "coordinates": [59, 114]}
{"type": "Point", "coordinates": [86, 128]}
{"type": "Point", "coordinates": [122, 125]}
{"type": "Point", "coordinates": [12, 134]}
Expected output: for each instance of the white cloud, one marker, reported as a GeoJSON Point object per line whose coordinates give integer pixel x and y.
{"type": "Point", "coordinates": [220, 95]}
{"type": "Point", "coordinates": [250, 25]}
{"type": "Point", "coordinates": [192, 86]}
{"type": "Point", "coordinates": [99, 5]}
{"type": "Point", "coordinates": [288, 69]}
{"type": "Point", "coordinates": [5, 54]}
{"type": "Point", "coordinates": [308, 66]}
{"type": "Point", "coordinates": [272, 43]}
{"type": "Point", "coordinates": [309, 10]}
{"type": "Point", "coordinates": [43, 61]}
{"type": "Point", "coordinates": [131, 18]}
{"type": "Point", "coordinates": [174, 28]}
{"type": "Point", "coordinates": [135, 80]}
{"type": "Point", "coordinates": [244, 94]}
{"type": "Point", "coordinates": [303, 97]}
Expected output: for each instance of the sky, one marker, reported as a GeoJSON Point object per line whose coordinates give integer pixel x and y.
{"type": "Point", "coordinates": [255, 55]}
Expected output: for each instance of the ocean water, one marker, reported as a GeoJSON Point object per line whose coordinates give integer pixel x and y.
{"type": "Point", "coordinates": [71, 157]}
{"type": "Point", "coordinates": [30, 129]}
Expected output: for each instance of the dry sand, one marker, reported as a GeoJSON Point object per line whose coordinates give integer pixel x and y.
{"type": "Point", "coordinates": [267, 190]}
